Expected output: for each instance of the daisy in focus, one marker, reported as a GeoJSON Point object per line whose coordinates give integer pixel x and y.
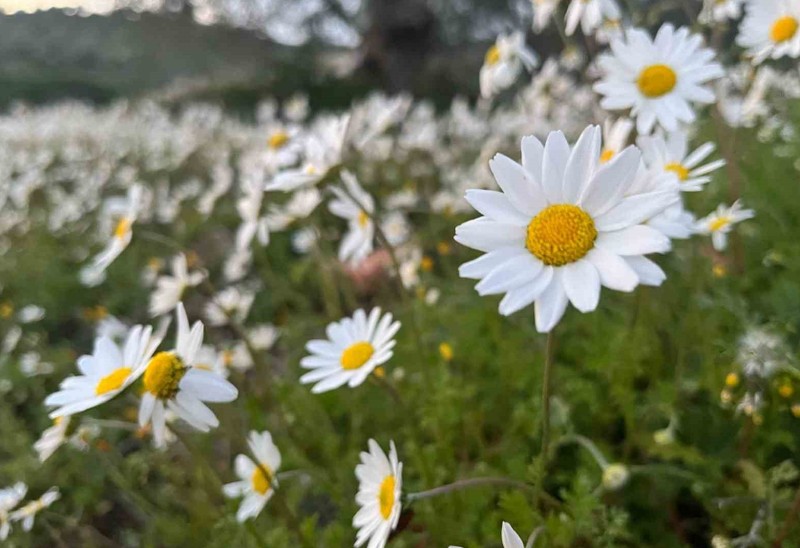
{"type": "Point", "coordinates": [562, 227]}
{"type": "Point", "coordinates": [356, 206]}
{"type": "Point", "coordinates": [380, 487]}
{"type": "Point", "coordinates": [109, 370]}
{"type": "Point", "coordinates": [125, 214]}
{"type": "Point", "coordinates": [719, 223]}
{"type": "Point", "coordinates": [257, 481]}
{"type": "Point", "coordinates": [770, 29]}
{"type": "Point", "coordinates": [169, 289]}
{"type": "Point", "coordinates": [504, 62]}
{"type": "Point", "coordinates": [658, 78]}
{"type": "Point", "coordinates": [9, 498]}
{"type": "Point", "coordinates": [355, 347]}
{"type": "Point", "coordinates": [28, 512]}
{"type": "Point", "coordinates": [173, 382]}
{"type": "Point", "coordinates": [671, 154]}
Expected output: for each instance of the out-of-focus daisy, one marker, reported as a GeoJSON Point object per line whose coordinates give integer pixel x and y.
{"type": "Point", "coordinates": [172, 381]}
{"type": "Point", "coordinates": [121, 236]}
{"type": "Point", "coordinates": [9, 498]}
{"type": "Point", "coordinates": [257, 481]}
{"type": "Point", "coordinates": [355, 347]}
{"type": "Point", "coordinates": [52, 438]}
{"type": "Point", "coordinates": [562, 227]}
{"type": "Point", "coordinates": [263, 336]}
{"type": "Point", "coordinates": [657, 78]}
{"type": "Point", "coordinates": [615, 137]}
{"type": "Point", "coordinates": [761, 353]}
{"type": "Point", "coordinates": [300, 205]}
{"type": "Point", "coordinates": [169, 289]}
{"type": "Point", "coordinates": [283, 146]}
{"type": "Point", "coordinates": [720, 10]}
{"type": "Point", "coordinates": [720, 222]}
{"type": "Point", "coordinates": [543, 11]}
{"type": "Point", "coordinates": [590, 14]}
{"type": "Point", "coordinates": [504, 62]}
{"type": "Point", "coordinates": [770, 29]}
{"type": "Point", "coordinates": [380, 487]}
{"type": "Point", "coordinates": [509, 537]}
{"type": "Point", "coordinates": [356, 206]}
{"type": "Point", "coordinates": [105, 373]}
{"type": "Point", "coordinates": [28, 512]}
{"type": "Point", "coordinates": [229, 304]}
{"type": "Point", "coordinates": [671, 154]}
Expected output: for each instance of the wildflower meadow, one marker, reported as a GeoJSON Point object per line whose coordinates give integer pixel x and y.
{"type": "Point", "coordinates": [559, 307]}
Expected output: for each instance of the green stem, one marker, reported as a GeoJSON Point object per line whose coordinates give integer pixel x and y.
{"type": "Point", "coordinates": [466, 484]}
{"type": "Point", "coordinates": [546, 387]}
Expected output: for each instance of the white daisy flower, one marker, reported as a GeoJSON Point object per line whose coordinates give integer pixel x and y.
{"type": "Point", "coordinates": [52, 438]}
{"type": "Point", "coordinates": [263, 336]}
{"type": "Point", "coordinates": [109, 370]}
{"type": "Point", "coordinates": [657, 78]}
{"type": "Point", "coordinates": [509, 537]}
{"type": "Point", "coordinates": [169, 289]}
{"type": "Point", "coordinates": [720, 222]}
{"type": "Point", "coordinates": [720, 10]}
{"type": "Point", "coordinates": [590, 14]}
{"type": "Point", "coordinates": [504, 62]}
{"type": "Point", "coordinates": [257, 481]}
{"type": "Point", "coordinates": [27, 513]}
{"type": "Point", "coordinates": [379, 490]}
{"type": "Point", "coordinates": [229, 304]}
{"type": "Point", "coordinates": [543, 11]}
{"type": "Point", "coordinates": [94, 273]}
{"type": "Point", "coordinates": [172, 381]}
{"type": "Point", "coordinates": [670, 154]}
{"type": "Point", "coordinates": [562, 227]}
{"type": "Point", "coordinates": [355, 347]}
{"type": "Point", "coordinates": [9, 498]}
{"type": "Point", "coordinates": [615, 137]}
{"type": "Point", "coordinates": [357, 207]}
{"type": "Point", "coordinates": [770, 29]}
{"type": "Point", "coordinates": [300, 205]}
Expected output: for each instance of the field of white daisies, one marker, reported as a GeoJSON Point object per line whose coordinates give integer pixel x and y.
{"type": "Point", "coordinates": [565, 314]}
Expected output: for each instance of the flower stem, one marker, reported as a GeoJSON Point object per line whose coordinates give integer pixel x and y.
{"type": "Point", "coordinates": [466, 484]}
{"type": "Point", "coordinates": [546, 385]}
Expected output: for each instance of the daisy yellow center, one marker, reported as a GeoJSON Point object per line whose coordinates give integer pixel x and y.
{"type": "Point", "coordinates": [6, 310]}
{"type": "Point", "coordinates": [278, 140]}
{"type": "Point", "coordinates": [363, 218]}
{"type": "Point", "coordinates": [163, 374]}
{"type": "Point", "coordinates": [560, 234]}
{"type": "Point", "coordinates": [356, 355]}
{"type": "Point", "coordinates": [492, 55]}
{"type": "Point", "coordinates": [123, 228]}
{"type": "Point", "coordinates": [386, 496]}
{"type": "Point", "coordinates": [112, 381]}
{"type": "Point", "coordinates": [606, 155]}
{"type": "Point", "coordinates": [261, 479]}
{"type": "Point", "coordinates": [656, 80]}
{"type": "Point", "coordinates": [719, 223]}
{"type": "Point", "coordinates": [678, 170]}
{"type": "Point", "coordinates": [783, 29]}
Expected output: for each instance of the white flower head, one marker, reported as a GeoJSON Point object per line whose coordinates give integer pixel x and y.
{"type": "Point", "coordinates": [257, 481]}
{"type": "Point", "coordinates": [52, 438]}
{"type": "Point", "coordinates": [379, 490]}
{"type": "Point", "coordinates": [504, 62]}
{"type": "Point", "coordinates": [592, 15]}
{"type": "Point", "coordinates": [169, 289]}
{"type": "Point", "coordinates": [9, 498]}
{"type": "Point", "coordinates": [172, 381]}
{"type": "Point", "coordinates": [720, 11]}
{"type": "Point", "coordinates": [670, 154]}
{"type": "Point", "coordinates": [657, 78]}
{"type": "Point", "coordinates": [720, 222]}
{"type": "Point", "coordinates": [106, 372]}
{"type": "Point", "coordinates": [355, 205]}
{"type": "Point", "coordinates": [770, 29]}
{"type": "Point", "coordinates": [28, 512]}
{"type": "Point", "coordinates": [355, 347]}
{"type": "Point", "coordinates": [563, 226]}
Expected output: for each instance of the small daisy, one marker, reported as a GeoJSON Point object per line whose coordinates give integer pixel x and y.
{"type": "Point", "coordinates": [504, 62]}
{"type": "Point", "coordinates": [27, 513]}
{"type": "Point", "coordinates": [543, 11]}
{"type": "Point", "coordinates": [257, 481]}
{"type": "Point", "coordinates": [172, 381]}
{"type": "Point", "coordinates": [52, 438]}
{"type": "Point", "coordinates": [657, 78]}
{"type": "Point", "coordinates": [720, 223]}
{"type": "Point", "coordinates": [380, 486]}
{"type": "Point", "coordinates": [109, 370]}
{"type": "Point", "coordinates": [720, 10]}
{"type": "Point", "coordinates": [591, 14]}
{"type": "Point", "coordinates": [169, 289]}
{"type": "Point", "coordinates": [356, 346]}
{"type": "Point", "coordinates": [670, 154]}
{"type": "Point", "coordinates": [229, 304]}
{"type": "Point", "coordinates": [356, 206]}
{"type": "Point", "coordinates": [9, 498]}
{"type": "Point", "coordinates": [615, 136]}
{"type": "Point", "coordinates": [562, 227]}
{"type": "Point", "coordinates": [770, 29]}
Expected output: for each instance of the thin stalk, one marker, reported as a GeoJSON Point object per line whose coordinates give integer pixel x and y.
{"type": "Point", "coordinates": [466, 484]}
{"type": "Point", "coordinates": [788, 522]}
{"type": "Point", "coordinates": [546, 388]}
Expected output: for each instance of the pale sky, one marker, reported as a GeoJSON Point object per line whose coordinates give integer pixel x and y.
{"type": "Point", "coordinates": [30, 6]}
